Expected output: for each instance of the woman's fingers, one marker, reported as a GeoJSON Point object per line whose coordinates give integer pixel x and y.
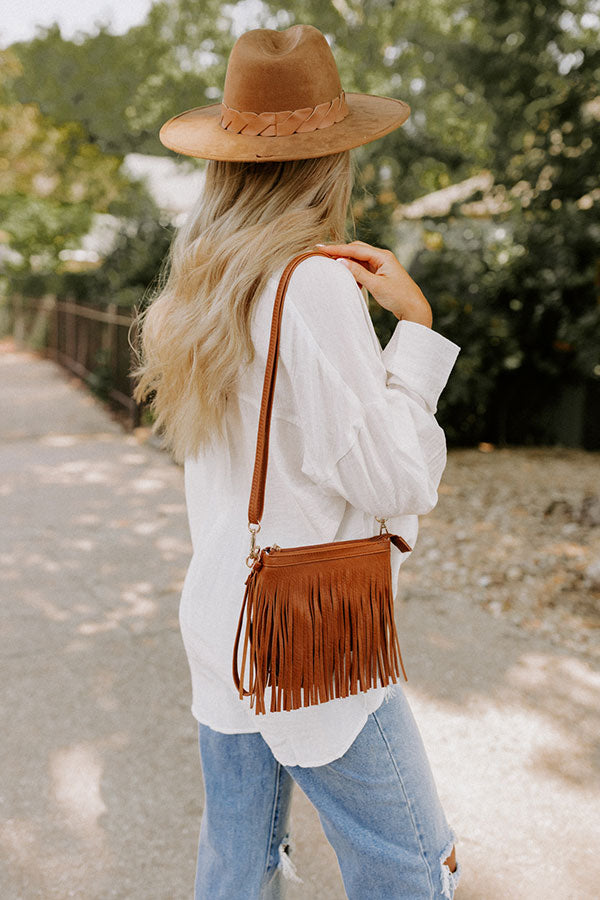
{"type": "Point", "coordinates": [385, 278]}
{"type": "Point", "coordinates": [374, 256]}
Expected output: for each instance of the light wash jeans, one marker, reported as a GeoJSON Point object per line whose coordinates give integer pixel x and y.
{"type": "Point", "coordinates": [378, 805]}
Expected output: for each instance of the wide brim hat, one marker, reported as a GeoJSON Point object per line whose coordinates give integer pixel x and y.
{"type": "Point", "coordinates": [282, 99]}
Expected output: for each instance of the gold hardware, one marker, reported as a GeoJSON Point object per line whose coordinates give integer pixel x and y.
{"type": "Point", "coordinates": [382, 525]}
{"type": "Point", "coordinates": [254, 549]}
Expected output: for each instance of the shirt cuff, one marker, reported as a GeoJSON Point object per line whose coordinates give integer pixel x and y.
{"type": "Point", "coordinates": [420, 359]}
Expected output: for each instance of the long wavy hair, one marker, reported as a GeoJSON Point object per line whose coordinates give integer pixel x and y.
{"type": "Point", "coordinates": [194, 333]}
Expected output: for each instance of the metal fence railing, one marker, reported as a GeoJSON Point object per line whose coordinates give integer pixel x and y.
{"type": "Point", "coordinates": [91, 341]}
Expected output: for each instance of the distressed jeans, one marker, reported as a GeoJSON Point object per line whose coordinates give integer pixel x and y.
{"type": "Point", "coordinates": [378, 805]}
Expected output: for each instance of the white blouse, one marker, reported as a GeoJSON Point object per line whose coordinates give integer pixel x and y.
{"type": "Point", "coordinates": [353, 436]}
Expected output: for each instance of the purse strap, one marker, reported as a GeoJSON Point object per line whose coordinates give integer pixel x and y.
{"type": "Point", "coordinates": [257, 492]}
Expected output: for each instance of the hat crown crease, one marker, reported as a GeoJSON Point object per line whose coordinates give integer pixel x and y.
{"type": "Point", "coordinates": [304, 75]}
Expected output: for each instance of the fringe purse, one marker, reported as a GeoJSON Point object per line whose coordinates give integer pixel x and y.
{"type": "Point", "coordinates": [319, 619]}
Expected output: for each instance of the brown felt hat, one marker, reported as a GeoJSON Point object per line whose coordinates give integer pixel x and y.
{"type": "Point", "coordinates": [283, 99]}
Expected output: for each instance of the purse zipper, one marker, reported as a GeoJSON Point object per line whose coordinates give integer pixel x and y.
{"type": "Point", "coordinates": [348, 544]}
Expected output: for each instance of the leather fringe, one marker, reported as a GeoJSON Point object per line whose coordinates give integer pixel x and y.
{"type": "Point", "coordinates": [314, 636]}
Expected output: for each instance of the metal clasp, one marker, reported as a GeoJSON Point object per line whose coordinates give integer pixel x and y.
{"type": "Point", "coordinates": [382, 525]}
{"type": "Point", "coordinates": [253, 528]}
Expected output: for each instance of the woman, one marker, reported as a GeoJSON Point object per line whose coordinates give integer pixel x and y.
{"type": "Point", "coordinates": [353, 436]}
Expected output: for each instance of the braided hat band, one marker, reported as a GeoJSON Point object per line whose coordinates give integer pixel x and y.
{"type": "Point", "coordinates": [277, 124]}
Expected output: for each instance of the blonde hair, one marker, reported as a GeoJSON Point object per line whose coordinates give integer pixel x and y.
{"type": "Point", "coordinates": [194, 334]}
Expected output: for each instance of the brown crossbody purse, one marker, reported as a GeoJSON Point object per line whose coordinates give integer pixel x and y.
{"type": "Point", "coordinates": [319, 619]}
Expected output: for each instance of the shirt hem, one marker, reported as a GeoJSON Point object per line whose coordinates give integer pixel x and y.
{"type": "Point", "coordinates": [338, 755]}
{"type": "Point", "coordinates": [281, 758]}
{"type": "Point", "coordinates": [223, 729]}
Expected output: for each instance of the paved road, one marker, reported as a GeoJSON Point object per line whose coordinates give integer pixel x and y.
{"type": "Point", "coordinates": [101, 792]}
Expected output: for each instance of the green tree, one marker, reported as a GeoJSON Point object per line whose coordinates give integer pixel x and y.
{"type": "Point", "coordinates": [52, 181]}
{"type": "Point", "coordinates": [121, 88]}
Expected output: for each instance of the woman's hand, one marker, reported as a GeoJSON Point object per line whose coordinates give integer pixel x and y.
{"type": "Point", "coordinates": [385, 278]}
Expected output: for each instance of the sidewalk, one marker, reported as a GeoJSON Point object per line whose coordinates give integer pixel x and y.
{"type": "Point", "coordinates": [102, 795]}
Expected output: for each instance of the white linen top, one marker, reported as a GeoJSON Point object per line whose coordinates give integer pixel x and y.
{"type": "Point", "coordinates": [353, 436]}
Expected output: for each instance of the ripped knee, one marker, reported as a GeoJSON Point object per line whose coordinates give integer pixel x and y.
{"type": "Point", "coordinates": [450, 861]}
{"type": "Point", "coordinates": [285, 864]}
{"type": "Point", "coordinates": [450, 870]}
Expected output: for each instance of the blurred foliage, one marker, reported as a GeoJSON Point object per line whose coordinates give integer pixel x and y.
{"type": "Point", "coordinates": [121, 88]}
{"type": "Point", "coordinates": [503, 87]}
{"type": "Point", "coordinates": [126, 273]}
{"type": "Point", "coordinates": [525, 331]}
{"type": "Point", "coordinates": [52, 182]}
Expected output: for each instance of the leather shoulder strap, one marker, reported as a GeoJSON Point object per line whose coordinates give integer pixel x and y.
{"type": "Point", "coordinates": [257, 493]}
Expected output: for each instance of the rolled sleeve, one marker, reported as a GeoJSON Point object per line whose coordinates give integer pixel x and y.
{"type": "Point", "coordinates": [420, 360]}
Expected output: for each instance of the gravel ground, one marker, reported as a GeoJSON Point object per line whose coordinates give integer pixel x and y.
{"type": "Point", "coordinates": [517, 530]}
